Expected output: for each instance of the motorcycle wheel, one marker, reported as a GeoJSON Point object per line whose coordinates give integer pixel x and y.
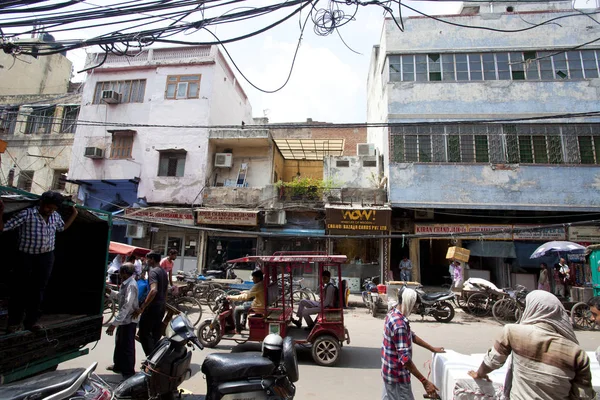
{"type": "Point", "coordinates": [191, 307]}
{"type": "Point", "coordinates": [448, 311]}
{"type": "Point", "coordinates": [209, 337]}
{"type": "Point", "coordinates": [326, 351]}
{"type": "Point", "coordinates": [374, 307]}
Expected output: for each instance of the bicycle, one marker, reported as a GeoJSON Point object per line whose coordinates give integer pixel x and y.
{"type": "Point", "coordinates": [509, 310]}
{"type": "Point", "coordinates": [188, 305]}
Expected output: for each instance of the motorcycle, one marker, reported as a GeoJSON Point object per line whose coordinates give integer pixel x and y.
{"type": "Point", "coordinates": [251, 375]}
{"type": "Point", "coordinates": [211, 331]}
{"type": "Point", "coordinates": [224, 271]}
{"type": "Point", "coordinates": [436, 305]}
{"type": "Point", "coordinates": [370, 296]}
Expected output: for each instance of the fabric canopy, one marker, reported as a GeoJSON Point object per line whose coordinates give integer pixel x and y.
{"type": "Point", "coordinates": [492, 249]}
{"type": "Point", "coordinates": [127, 250]}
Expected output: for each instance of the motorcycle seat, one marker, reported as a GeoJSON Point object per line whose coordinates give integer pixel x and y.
{"type": "Point", "coordinates": [228, 367]}
{"type": "Point", "coordinates": [433, 296]}
{"type": "Point", "coordinates": [213, 272]}
{"type": "Point", "coordinates": [41, 386]}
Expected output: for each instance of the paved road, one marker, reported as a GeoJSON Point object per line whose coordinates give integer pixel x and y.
{"type": "Point", "coordinates": [358, 374]}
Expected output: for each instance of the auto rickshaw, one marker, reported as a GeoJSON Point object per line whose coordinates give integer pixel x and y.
{"type": "Point", "coordinates": [328, 333]}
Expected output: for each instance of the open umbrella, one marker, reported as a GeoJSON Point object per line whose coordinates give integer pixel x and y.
{"type": "Point", "coordinates": [558, 247]}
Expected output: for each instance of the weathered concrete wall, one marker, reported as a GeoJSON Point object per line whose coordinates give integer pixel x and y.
{"type": "Point", "coordinates": [569, 188]}
{"type": "Point", "coordinates": [312, 169]}
{"type": "Point", "coordinates": [356, 175]}
{"type": "Point", "coordinates": [157, 110]}
{"type": "Point", "coordinates": [232, 196]}
{"type": "Point", "coordinates": [258, 160]}
{"type": "Point", "coordinates": [28, 75]}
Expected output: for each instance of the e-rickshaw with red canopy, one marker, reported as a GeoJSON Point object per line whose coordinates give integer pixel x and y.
{"type": "Point", "coordinates": [328, 333]}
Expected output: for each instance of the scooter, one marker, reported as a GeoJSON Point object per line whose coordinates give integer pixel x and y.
{"type": "Point", "coordinates": [225, 271]}
{"type": "Point", "coordinates": [211, 331]}
{"type": "Point", "coordinates": [370, 296]}
{"type": "Point", "coordinates": [269, 375]}
{"type": "Point", "coordinates": [436, 305]}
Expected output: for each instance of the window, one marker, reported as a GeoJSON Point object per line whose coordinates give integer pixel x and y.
{"type": "Point", "coordinates": [528, 65]}
{"type": "Point", "coordinates": [131, 91]}
{"type": "Point", "coordinates": [69, 121]}
{"type": "Point", "coordinates": [182, 87]}
{"type": "Point", "coordinates": [25, 180]}
{"type": "Point", "coordinates": [342, 163]}
{"type": "Point", "coordinates": [171, 163]}
{"type": "Point", "coordinates": [40, 120]}
{"type": "Point", "coordinates": [122, 144]}
{"type": "Point", "coordinates": [8, 120]}
{"type": "Point", "coordinates": [60, 179]}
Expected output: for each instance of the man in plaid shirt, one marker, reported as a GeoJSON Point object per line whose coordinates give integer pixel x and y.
{"type": "Point", "coordinates": [37, 235]}
{"type": "Point", "coordinates": [396, 352]}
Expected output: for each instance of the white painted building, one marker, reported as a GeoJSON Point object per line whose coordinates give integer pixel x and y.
{"type": "Point", "coordinates": [132, 141]}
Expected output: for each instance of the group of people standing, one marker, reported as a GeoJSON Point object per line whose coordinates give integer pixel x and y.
{"type": "Point", "coordinates": [557, 280]}
{"type": "Point", "coordinates": [144, 313]}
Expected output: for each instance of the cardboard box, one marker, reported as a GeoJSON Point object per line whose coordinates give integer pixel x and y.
{"type": "Point", "coordinates": [458, 253]}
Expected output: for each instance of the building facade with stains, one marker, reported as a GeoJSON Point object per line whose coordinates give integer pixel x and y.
{"type": "Point", "coordinates": [38, 114]}
{"type": "Point", "coordinates": [493, 129]}
{"type": "Point", "coordinates": [145, 139]}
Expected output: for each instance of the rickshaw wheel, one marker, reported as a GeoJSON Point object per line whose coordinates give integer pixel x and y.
{"type": "Point", "coordinates": [209, 337]}
{"type": "Point", "coordinates": [581, 317]}
{"type": "Point", "coordinates": [109, 311]}
{"type": "Point", "coordinates": [326, 350]}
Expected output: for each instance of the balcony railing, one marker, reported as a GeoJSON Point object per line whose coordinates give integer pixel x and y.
{"type": "Point", "coordinates": [149, 56]}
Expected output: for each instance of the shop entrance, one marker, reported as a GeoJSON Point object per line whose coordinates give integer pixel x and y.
{"type": "Point", "coordinates": [432, 261]}
{"type": "Point", "coordinates": [397, 252]}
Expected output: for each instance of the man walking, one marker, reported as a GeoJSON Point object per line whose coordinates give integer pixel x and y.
{"type": "Point", "coordinates": [396, 351]}
{"type": "Point", "coordinates": [167, 264]}
{"type": "Point", "coordinates": [153, 309]}
{"type": "Point", "coordinates": [37, 236]}
{"type": "Point", "coordinates": [125, 322]}
{"type": "Point", "coordinates": [405, 269]}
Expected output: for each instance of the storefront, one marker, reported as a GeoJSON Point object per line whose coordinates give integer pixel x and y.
{"type": "Point", "coordinates": [501, 258]}
{"type": "Point", "coordinates": [367, 257]}
{"type": "Point", "coordinates": [161, 238]}
{"type": "Point", "coordinates": [218, 247]}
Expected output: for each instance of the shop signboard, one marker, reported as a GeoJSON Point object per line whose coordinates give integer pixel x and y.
{"type": "Point", "coordinates": [480, 231]}
{"type": "Point", "coordinates": [159, 214]}
{"type": "Point", "coordinates": [584, 234]}
{"type": "Point", "coordinates": [485, 232]}
{"type": "Point", "coordinates": [538, 233]}
{"type": "Point", "coordinates": [358, 221]}
{"type": "Point", "coordinates": [440, 228]}
{"type": "Point", "coordinates": [226, 217]}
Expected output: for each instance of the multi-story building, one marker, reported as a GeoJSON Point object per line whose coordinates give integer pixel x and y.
{"type": "Point", "coordinates": [38, 114]}
{"type": "Point", "coordinates": [146, 138]}
{"type": "Point", "coordinates": [467, 152]}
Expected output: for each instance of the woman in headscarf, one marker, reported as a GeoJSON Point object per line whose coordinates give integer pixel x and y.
{"type": "Point", "coordinates": [547, 362]}
{"type": "Point", "coordinates": [396, 351]}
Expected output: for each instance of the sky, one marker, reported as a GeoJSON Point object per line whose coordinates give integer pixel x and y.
{"type": "Point", "coordinates": [328, 82]}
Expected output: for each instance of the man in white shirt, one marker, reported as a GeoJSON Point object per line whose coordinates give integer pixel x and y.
{"type": "Point", "coordinates": [125, 322]}
{"type": "Point", "coordinates": [565, 273]}
{"type": "Point", "coordinates": [405, 269]}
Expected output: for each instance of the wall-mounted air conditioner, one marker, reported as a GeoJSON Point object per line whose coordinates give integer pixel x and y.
{"type": "Point", "coordinates": [223, 160]}
{"type": "Point", "coordinates": [135, 231]}
{"type": "Point", "coordinates": [365, 149]}
{"type": "Point", "coordinates": [111, 97]}
{"type": "Point", "coordinates": [275, 217]}
{"type": "Point", "coordinates": [93, 152]}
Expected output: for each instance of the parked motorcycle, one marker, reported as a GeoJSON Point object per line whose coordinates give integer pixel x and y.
{"type": "Point", "coordinates": [224, 271]}
{"type": "Point", "coordinates": [436, 305]}
{"type": "Point", "coordinates": [211, 331]}
{"type": "Point", "coordinates": [370, 296]}
{"type": "Point", "coordinates": [269, 375]}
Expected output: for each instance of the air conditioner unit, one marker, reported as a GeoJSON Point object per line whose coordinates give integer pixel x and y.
{"type": "Point", "coordinates": [135, 231]}
{"type": "Point", "coordinates": [93, 152]}
{"type": "Point", "coordinates": [111, 97]}
{"type": "Point", "coordinates": [365, 149]}
{"type": "Point", "coordinates": [275, 217]}
{"type": "Point", "coordinates": [223, 160]}
{"type": "Point", "coordinates": [426, 213]}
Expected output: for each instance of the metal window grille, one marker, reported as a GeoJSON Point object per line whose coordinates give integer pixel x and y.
{"type": "Point", "coordinates": [529, 65]}
{"type": "Point", "coordinates": [8, 120]}
{"type": "Point", "coordinates": [69, 120]}
{"type": "Point", "coordinates": [40, 121]}
{"type": "Point", "coordinates": [132, 91]}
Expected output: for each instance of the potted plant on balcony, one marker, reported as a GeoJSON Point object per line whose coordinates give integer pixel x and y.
{"type": "Point", "coordinates": [306, 188]}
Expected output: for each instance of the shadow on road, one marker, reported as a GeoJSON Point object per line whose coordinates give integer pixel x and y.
{"type": "Point", "coordinates": [351, 357]}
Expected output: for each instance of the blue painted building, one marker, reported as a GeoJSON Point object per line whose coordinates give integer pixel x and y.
{"type": "Point", "coordinates": [492, 129]}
